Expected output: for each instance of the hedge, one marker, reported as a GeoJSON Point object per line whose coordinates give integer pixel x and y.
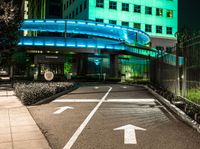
{"type": "Point", "coordinates": [34, 92]}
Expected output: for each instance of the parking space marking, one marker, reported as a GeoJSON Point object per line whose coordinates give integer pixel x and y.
{"type": "Point", "coordinates": [85, 122]}
{"type": "Point", "coordinates": [62, 109]}
{"type": "Point", "coordinates": [148, 100]}
{"type": "Point", "coordinates": [76, 100]}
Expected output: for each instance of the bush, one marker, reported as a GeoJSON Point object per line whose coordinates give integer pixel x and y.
{"type": "Point", "coordinates": [34, 92]}
{"type": "Point", "coordinates": [194, 95]}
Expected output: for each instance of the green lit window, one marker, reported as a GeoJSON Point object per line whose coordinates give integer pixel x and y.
{"type": "Point", "coordinates": [137, 8]}
{"type": "Point", "coordinates": [169, 13]}
{"type": "Point", "coordinates": [159, 11]}
{"type": "Point", "coordinates": [112, 21]}
{"type": "Point", "coordinates": [159, 47]}
{"type": "Point", "coordinates": [73, 14]}
{"type": "Point", "coordinates": [169, 49]}
{"type": "Point", "coordinates": [85, 4]}
{"type": "Point", "coordinates": [159, 29]}
{"type": "Point", "coordinates": [124, 23]}
{"type": "Point", "coordinates": [112, 5]}
{"type": "Point", "coordinates": [67, 4]}
{"type": "Point", "coordinates": [99, 20]}
{"type": "Point", "coordinates": [148, 28]}
{"type": "Point", "coordinates": [148, 10]}
{"type": "Point", "coordinates": [77, 11]}
{"type": "Point", "coordinates": [137, 25]}
{"type": "Point", "coordinates": [125, 7]}
{"type": "Point", "coordinates": [169, 30]}
{"type": "Point", "coordinates": [100, 3]}
{"type": "Point", "coordinates": [81, 8]}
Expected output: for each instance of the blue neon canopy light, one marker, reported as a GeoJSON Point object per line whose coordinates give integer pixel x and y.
{"type": "Point", "coordinates": [129, 35]}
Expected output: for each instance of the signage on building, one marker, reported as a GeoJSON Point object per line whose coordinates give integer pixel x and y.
{"type": "Point", "coordinates": [48, 75]}
{"type": "Point", "coordinates": [48, 59]}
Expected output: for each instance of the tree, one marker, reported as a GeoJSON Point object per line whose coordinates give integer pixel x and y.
{"type": "Point", "coordinates": [10, 20]}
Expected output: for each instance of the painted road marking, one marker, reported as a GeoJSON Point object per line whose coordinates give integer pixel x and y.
{"type": "Point", "coordinates": [108, 100]}
{"type": "Point", "coordinates": [77, 100]}
{"type": "Point", "coordinates": [96, 87]}
{"type": "Point", "coordinates": [124, 87]}
{"type": "Point", "coordinates": [62, 109]}
{"type": "Point", "coordinates": [82, 126]}
{"type": "Point", "coordinates": [129, 133]}
{"type": "Point", "coordinates": [131, 100]}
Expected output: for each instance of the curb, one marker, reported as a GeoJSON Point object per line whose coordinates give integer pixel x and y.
{"type": "Point", "coordinates": [49, 99]}
{"type": "Point", "coordinates": [184, 117]}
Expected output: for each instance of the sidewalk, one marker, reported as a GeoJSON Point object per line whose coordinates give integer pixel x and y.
{"type": "Point", "coordinates": [18, 130]}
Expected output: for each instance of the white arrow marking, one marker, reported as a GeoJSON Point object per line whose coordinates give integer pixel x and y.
{"type": "Point", "coordinates": [62, 109]}
{"type": "Point", "coordinates": [129, 133]}
{"type": "Point", "coordinates": [96, 87]}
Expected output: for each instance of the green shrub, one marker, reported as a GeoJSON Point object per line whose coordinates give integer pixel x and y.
{"type": "Point", "coordinates": [34, 92]}
{"type": "Point", "coordinates": [194, 95]}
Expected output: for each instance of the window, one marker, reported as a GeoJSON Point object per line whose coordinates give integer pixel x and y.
{"type": "Point", "coordinates": [137, 25]}
{"type": "Point", "coordinates": [85, 4]}
{"type": "Point", "coordinates": [137, 8]}
{"type": "Point", "coordinates": [77, 11]}
{"type": "Point", "coordinates": [159, 29]}
{"type": "Point", "coordinates": [169, 13]}
{"type": "Point", "coordinates": [80, 8]}
{"type": "Point", "coordinates": [148, 10]}
{"type": "Point", "coordinates": [100, 3]}
{"type": "Point", "coordinates": [112, 5]}
{"type": "Point", "coordinates": [125, 7]}
{"type": "Point", "coordinates": [67, 4]}
{"type": "Point", "coordinates": [70, 2]}
{"type": "Point", "coordinates": [99, 20]}
{"type": "Point", "coordinates": [70, 16]}
{"type": "Point", "coordinates": [112, 21]}
{"type": "Point", "coordinates": [169, 30]}
{"type": "Point", "coordinates": [169, 49]}
{"type": "Point", "coordinates": [73, 14]}
{"type": "Point", "coordinates": [124, 23]}
{"type": "Point", "coordinates": [147, 28]}
{"type": "Point", "coordinates": [159, 11]}
{"type": "Point", "coordinates": [159, 48]}
{"type": "Point", "coordinates": [64, 6]}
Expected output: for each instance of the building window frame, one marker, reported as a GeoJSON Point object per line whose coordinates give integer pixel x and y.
{"type": "Point", "coordinates": [137, 25]}
{"type": "Point", "coordinates": [99, 20]}
{"type": "Point", "coordinates": [159, 12]}
{"type": "Point", "coordinates": [100, 3]}
{"type": "Point", "coordinates": [159, 29]}
{"type": "Point", "coordinates": [169, 13]}
{"type": "Point", "coordinates": [137, 8]}
{"type": "Point", "coordinates": [125, 7]}
{"type": "Point", "coordinates": [125, 23]}
{"type": "Point", "coordinates": [148, 28]}
{"type": "Point", "coordinates": [148, 10]}
{"type": "Point", "coordinates": [113, 5]}
{"type": "Point", "coordinates": [113, 22]}
{"type": "Point", "coordinates": [169, 30]}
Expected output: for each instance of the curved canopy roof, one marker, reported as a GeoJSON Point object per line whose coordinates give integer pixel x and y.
{"type": "Point", "coordinates": [130, 36]}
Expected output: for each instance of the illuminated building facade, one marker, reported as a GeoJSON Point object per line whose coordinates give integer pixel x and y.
{"type": "Point", "coordinates": [159, 18]}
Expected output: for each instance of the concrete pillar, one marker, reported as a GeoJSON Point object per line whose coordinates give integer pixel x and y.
{"type": "Point", "coordinates": [114, 66]}
{"type": "Point", "coordinates": [82, 63]}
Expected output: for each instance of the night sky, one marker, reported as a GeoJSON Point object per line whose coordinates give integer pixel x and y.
{"type": "Point", "coordinates": [189, 14]}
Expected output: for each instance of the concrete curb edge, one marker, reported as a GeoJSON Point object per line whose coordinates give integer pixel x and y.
{"type": "Point", "coordinates": [184, 117]}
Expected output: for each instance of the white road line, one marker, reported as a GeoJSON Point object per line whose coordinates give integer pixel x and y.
{"type": "Point", "coordinates": [109, 100]}
{"type": "Point", "coordinates": [77, 100]}
{"type": "Point", "coordinates": [82, 126]}
{"type": "Point", "coordinates": [131, 100]}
